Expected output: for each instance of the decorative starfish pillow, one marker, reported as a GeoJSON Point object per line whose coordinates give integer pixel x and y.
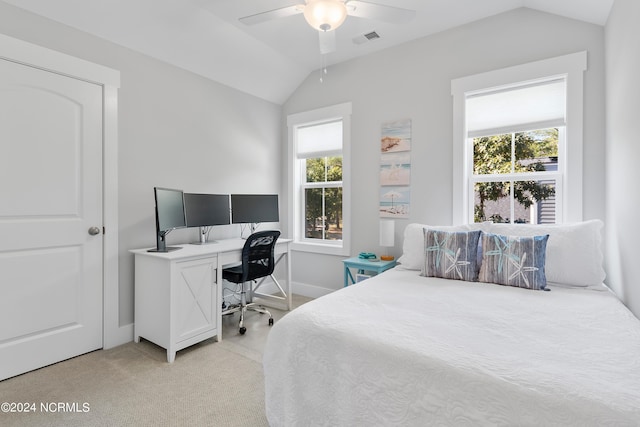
{"type": "Point", "coordinates": [451, 254]}
{"type": "Point", "coordinates": [514, 261]}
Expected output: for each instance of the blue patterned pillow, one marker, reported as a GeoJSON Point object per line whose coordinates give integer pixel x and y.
{"type": "Point", "coordinates": [451, 254]}
{"type": "Point", "coordinates": [514, 261]}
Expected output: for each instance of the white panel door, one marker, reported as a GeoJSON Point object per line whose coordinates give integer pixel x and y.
{"type": "Point", "coordinates": [50, 196]}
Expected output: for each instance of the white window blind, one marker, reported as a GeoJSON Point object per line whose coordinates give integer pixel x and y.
{"type": "Point", "coordinates": [540, 105]}
{"type": "Point", "coordinates": [319, 140]}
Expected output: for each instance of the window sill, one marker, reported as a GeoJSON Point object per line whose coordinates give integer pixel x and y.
{"type": "Point", "coordinates": [319, 248]}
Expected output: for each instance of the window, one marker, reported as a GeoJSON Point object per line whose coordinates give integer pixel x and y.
{"type": "Point", "coordinates": [319, 154]}
{"type": "Point", "coordinates": [515, 176]}
{"type": "Point", "coordinates": [319, 184]}
{"type": "Point", "coordinates": [518, 143]}
{"type": "Point", "coordinates": [516, 134]}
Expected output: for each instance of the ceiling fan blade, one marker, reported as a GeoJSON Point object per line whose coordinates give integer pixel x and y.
{"type": "Point", "coordinates": [282, 12]}
{"type": "Point", "coordinates": [327, 41]}
{"type": "Point", "coordinates": [378, 12]}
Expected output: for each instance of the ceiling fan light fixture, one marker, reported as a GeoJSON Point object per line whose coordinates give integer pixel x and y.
{"type": "Point", "coordinates": [325, 15]}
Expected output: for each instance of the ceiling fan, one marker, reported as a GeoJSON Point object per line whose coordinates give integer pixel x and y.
{"type": "Point", "coordinates": [327, 15]}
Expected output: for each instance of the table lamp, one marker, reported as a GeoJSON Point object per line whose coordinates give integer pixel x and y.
{"type": "Point", "coordinates": [387, 237]}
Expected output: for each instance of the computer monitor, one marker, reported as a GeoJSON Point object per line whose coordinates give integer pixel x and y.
{"type": "Point", "coordinates": [206, 210]}
{"type": "Point", "coordinates": [254, 208]}
{"type": "Point", "coordinates": [170, 215]}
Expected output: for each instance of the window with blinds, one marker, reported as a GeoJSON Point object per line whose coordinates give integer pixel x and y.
{"type": "Point", "coordinates": [319, 182]}
{"type": "Point", "coordinates": [516, 138]}
{"type": "Point", "coordinates": [518, 142]}
{"type": "Point", "coordinates": [319, 153]}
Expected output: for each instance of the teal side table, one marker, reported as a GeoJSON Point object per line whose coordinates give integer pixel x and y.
{"type": "Point", "coordinates": [363, 265]}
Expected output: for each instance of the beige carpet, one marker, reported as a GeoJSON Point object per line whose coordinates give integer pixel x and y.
{"type": "Point", "coordinates": [209, 384]}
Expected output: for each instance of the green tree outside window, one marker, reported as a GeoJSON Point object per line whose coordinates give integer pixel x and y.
{"type": "Point", "coordinates": [323, 204]}
{"type": "Point", "coordinates": [508, 154]}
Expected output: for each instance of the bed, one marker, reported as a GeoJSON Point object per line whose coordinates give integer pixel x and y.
{"type": "Point", "coordinates": [401, 349]}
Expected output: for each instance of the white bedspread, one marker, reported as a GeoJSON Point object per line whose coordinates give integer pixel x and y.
{"type": "Point", "coordinates": [403, 350]}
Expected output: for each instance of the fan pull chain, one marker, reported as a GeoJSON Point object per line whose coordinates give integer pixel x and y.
{"type": "Point", "coordinates": [323, 68]}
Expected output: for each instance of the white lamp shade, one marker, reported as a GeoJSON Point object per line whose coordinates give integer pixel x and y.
{"type": "Point", "coordinates": [387, 232]}
{"type": "Point", "coordinates": [325, 15]}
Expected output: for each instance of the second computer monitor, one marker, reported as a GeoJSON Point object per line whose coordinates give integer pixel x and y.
{"type": "Point", "coordinates": [205, 210]}
{"type": "Point", "coordinates": [254, 208]}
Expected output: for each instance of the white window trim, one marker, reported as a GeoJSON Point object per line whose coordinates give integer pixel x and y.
{"type": "Point", "coordinates": [295, 200]}
{"type": "Point", "coordinates": [572, 68]}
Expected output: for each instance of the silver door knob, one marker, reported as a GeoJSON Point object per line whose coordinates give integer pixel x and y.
{"type": "Point", "coordinates": [94, 230]}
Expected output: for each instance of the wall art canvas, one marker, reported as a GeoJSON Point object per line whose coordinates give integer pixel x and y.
{"type": "Point", "coordinates": [394, 202]}
{"type": "Point", "coordinates": [395, 169]}
{"type": "Point", "coordinates": [396, 136]}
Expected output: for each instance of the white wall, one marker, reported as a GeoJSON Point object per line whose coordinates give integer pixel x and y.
{"type": "Point", "coordinates": [414, 81]}
{"type": "Point", "coordinates": [176, 129]}
{"type": "Point", "coordinates": [623, 150]}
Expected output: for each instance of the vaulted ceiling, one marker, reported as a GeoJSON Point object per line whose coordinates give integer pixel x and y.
{"type": "Point", "coordinates": [272, 58]}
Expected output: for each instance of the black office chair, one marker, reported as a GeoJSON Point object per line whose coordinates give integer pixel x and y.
{"type": "Point", "coordinates": [257, 261]}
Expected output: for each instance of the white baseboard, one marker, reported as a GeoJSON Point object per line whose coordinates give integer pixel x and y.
{"type": "Point", "coordinates": [298, 288]}
{"type": "Point", "coordinates": [311, 291]}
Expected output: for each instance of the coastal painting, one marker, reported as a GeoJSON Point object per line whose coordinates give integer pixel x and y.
{"type": "Point", "coordinates": [396, 136]}
{"type": "Point", "coordinates": [394, 202]}
{"type": "Point", "coordinates": [395, 169]}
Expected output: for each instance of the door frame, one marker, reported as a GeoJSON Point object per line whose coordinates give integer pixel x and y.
{"type": "Point", "coordinates": [26, 53]}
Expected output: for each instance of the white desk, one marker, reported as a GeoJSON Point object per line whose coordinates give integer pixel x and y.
{"type": "Point", "coordinates": [178, 294]}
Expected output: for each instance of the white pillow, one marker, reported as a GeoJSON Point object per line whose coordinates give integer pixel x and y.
{"type": "Point", "coordinates": [413, 245]}
{"type": "Point", "coordinates": [574, 253]}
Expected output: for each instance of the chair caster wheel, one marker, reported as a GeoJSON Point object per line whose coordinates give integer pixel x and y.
{"type": "Point", "coordinates": [243, 330]}
{"type": "Point", "coordinates": [271, 321]}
